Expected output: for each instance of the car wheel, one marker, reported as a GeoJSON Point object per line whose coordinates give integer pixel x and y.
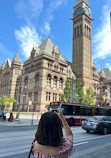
{"type": "Point", "coordinates": [87, 131]}
{"type": "Point", "coordinates": [105, 131]}
{"type": "Point", "coordinates": [71, 122]}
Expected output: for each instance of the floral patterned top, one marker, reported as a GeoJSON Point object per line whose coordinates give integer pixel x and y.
{"type": "Point", "coordinates": [66, 149]}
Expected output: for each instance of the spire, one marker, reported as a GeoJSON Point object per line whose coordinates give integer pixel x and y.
{"type": "Point", "coordinates": [80, 1]}
{"type": "Point", "coordinates": [16, 58]}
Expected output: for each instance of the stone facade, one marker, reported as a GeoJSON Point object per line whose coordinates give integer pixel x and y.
{"type": "Point", "coordinates": [82, 56]}
{"type": "Point", "coordinates": [9, 72]}
{"type": "Point", "coordinates": [43, 78]}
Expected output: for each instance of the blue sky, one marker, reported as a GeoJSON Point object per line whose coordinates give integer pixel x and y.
{"type": "Point", "coordinates": [24, 23]}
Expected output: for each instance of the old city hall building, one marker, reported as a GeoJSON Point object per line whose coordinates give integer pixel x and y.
{"type": "Point", "coordinates": [41, 79]}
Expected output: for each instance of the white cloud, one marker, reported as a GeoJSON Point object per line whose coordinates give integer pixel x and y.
{"type": "Point", "coordinates": [102, 38]}
{"type": "Point", "coordinates": [108, 65]}
{"type": "Point", "coordinates": [49, 16]}
{"type": "Point", "coordinates": [29, 8]}
{"type": "Point", "coordinates": [27, 37]}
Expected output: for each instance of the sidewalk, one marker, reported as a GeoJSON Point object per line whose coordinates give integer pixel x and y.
{"type": "Point", "coordinates": [20, 122]}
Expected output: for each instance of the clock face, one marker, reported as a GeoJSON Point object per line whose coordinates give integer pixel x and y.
{"type": "Point", "coordinates": [86, 10]}
{"type": "Point", "coordinates": [78, 10]}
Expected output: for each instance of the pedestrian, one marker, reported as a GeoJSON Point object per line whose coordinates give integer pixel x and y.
{"type": "Point", "coordinates": [11, 117]}
{"type": "Point", "coordinates": [49, 141]}
{"type": "Point", "coordinates": [2, 117]}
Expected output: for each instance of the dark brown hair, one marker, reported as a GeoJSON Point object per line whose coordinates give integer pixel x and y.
{"type": "Point", "coordinates": [49, 130]}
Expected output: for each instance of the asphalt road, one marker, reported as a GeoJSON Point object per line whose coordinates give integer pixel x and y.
{"type": "Point", "coordinates": [16, 141]}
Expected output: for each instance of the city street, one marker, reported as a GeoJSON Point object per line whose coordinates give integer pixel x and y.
{"type": "Point", "coordinates": [16, 142]}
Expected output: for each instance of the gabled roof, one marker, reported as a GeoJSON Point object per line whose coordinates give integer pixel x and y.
{"type": "Point", "coordinates": [47, 48]}
{"type": "Point", "coordinates": [47, 45]}
{"type": "Point", "coordinates": [3, 65]}
{"type": "Point", "coordinates": [105, 73]}
{"type": "Point", "coordinates": [16, 58]}
{"type": "Point", "coordinates": [9, 62]}
{"type": "Point", "coordinates": [80, 1]}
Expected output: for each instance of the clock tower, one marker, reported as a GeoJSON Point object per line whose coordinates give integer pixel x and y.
{"type": "Point", "coordinates": [81, 59]}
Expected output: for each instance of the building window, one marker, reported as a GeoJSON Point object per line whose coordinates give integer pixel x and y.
{"type": "Point", "coordinates": [59, 97]}
{"type": "Point", "coordinates": [38, 66]}
{"type": "Point", "coordinates": [55, 82]}
{"type": "Point", "coordinates": [80, 29]}
{"type": "Point", "coordinates": [30, 96]}
{"type": "Point", "coordinates": [54, 97]}
{"type": "Point", "coordinates": [26, 83]}
{"type": "Point", "coordinates": [48, 96]}
{"type": "Point", "coordinates": [36, 96]}
{"type": "Point", "coordinates": [37, 81]}
{"type": "Point", "coordinates": [75, 32]}
{"type": "Point", "coordinates": [61, 69]}
{"type": "Point", "coordinates": [55, 67]}
{"type": "Point", "coordinates": [89, 33]}
{"type": "Point", "coordinates": [85, 30]}
{"type": "Point", "coordinates": [49, 65]}
{"type": "Point", "coordinates": [61, 83]}
{"type": "Point", "coordinates": [24, 98]}
{"type": "Point", "coordinates": [48, 80]}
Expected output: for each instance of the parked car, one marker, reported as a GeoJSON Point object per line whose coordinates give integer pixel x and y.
{"type": "Point", "coordinates": [100, 124]}
{"type": "Point", "coordinates": [2, 113]}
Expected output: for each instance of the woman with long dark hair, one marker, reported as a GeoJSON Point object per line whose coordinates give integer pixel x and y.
{"type": "Point", "coordinates": [49, 141]}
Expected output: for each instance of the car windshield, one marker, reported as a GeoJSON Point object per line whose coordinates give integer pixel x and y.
{"type": "Point", "coordinates": [92, 119]}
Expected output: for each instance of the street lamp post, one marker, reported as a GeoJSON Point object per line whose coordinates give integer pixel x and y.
{"type": "Point", "coordinates": [30, 104]}
{"type": "Point", "coordinates": [18, 108]}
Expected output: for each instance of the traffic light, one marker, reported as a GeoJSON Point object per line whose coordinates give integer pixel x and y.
{"type": "Point", "coordinates": [103, 98]}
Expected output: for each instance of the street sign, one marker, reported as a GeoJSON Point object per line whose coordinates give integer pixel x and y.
{"type": "Point", "coordinates": [103, 98]}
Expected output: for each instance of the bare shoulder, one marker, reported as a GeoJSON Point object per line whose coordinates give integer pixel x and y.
{"type": "Point", "coordinates": [45, 149]}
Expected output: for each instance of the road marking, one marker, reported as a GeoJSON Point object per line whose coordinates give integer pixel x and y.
{"type": "Point", "coordinates": [16, 138]}
{"type": "Point", "coordinates": [81, 143]}
{"type": "Point", "coordinates": [14, 153]}
{"type": "Point", "coordinates": [93, 138]}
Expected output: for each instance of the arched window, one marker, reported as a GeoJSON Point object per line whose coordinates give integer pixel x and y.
{"type": "Point", "coordinates": [61, 83]}
{"type": "Point", "coordinates": [37, 81]}
{"type": "Point", "coordinates": [89, 33]}
{"type": "Point", "coordinates": [48, 80]}
{"type": "Point", "coordinates": [26, 83]}
{"type": "Point", "coordinates": [55, 82]}
{"type": "Point", "coordinates": [85, 31]}
{"type": "Point", "coordinates": [80, 29]}
{"type": "Point", "coordinates": [77, 31]}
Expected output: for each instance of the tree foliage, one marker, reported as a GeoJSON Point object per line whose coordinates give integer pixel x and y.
{"type": "Point", "coordinates": [6, 102]}
{"type": "Point", "coordinates": [67, 91]}
{"type": "Point", "coordinates": [77, 91]}
{"type": "Point", "coordinates": [78, 94]}
{"type": "Point", "coordinates": [89, 97]}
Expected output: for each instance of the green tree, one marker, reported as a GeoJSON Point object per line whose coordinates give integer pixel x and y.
{"type": "Point", "coordinates": [80, 96]}
{"type": "Point", "coordinates": [67, 91]}
{"type": "Point", "coordinates": [78, 84]}
{"type": "Point", "coordinates": [79, 91]}
{"type": "Point", "coordinates": [89, 97]}
{"type": "Point", "coordinates": [6, 102]}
